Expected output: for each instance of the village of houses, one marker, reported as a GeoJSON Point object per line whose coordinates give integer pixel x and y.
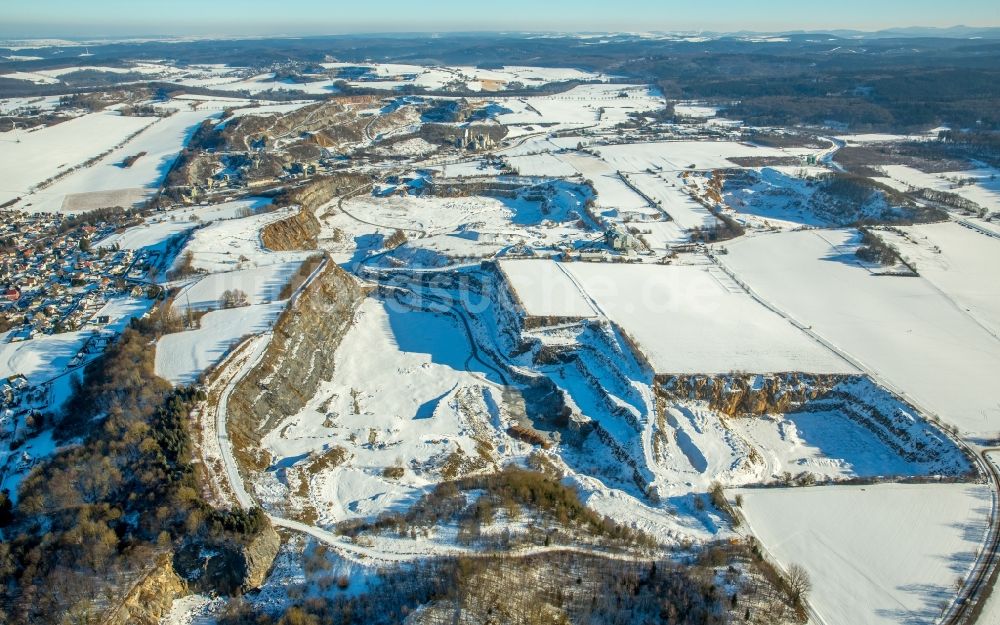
{"type": "Point", "coordinates": [55, 281]}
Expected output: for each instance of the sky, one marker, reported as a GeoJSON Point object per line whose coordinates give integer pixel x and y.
{"type": "Point", "coordinates": [94, 18]}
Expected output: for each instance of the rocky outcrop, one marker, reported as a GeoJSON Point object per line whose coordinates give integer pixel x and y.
{"type": "Point", "coordinates": [228, 567]}
{"type": "Point", "coordinates": [298, 232]}
{"type": "Point", "coordinates": [299, 357]}
{"type": "Point", "coordinates": [150, 599]}
{"type": "Point", "coordinates": [749, 394]}
{"type": "Point", "coordinates": [301, 230]}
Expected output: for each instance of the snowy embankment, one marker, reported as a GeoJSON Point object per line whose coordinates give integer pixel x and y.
{"type": "Point", "coordinates": [877, 555]}
{"type": "Point", "coordinates": [909, 333]}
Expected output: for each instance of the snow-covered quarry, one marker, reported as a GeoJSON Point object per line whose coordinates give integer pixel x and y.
{"type": "Point", "coordinates": [414, 312]}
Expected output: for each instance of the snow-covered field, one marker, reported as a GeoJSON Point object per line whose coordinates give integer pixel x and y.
{"type": "Point", "coordinates": [612, 192]}
{"type": "Point", "coordinates": [181, 357]}
{"type": "Point", "coordinates": [678, 155]}
{"type": "Point", "coordinates": [877, 554]}
{"type": "Point", "coordinates": [37, 155]}
{"type": "Point", "coordinates": [231, 244]}
{"type": "Point", "coordinates": [161, 142]}
{"type": "Point", "coordinates": [541, 165]}
{"type": "Point", "coordinates": [669, 195]}
{"type": "Point", "coordinates": [981, 186]}
{"type": "Point", "coordinates": [685, 318]}
{"type": "Point", "coordinates": [156, 230]}
{"type": "Point", "coordinates": [961, 262]}
{"type": "Point", "coordinates": [908, 332]}
{"type": "Point", "coordinates": [583, 106]}
{"type": "Point", "coordinates": [546, 289]}
{"type": "Point", "coordinates": [261, 284]}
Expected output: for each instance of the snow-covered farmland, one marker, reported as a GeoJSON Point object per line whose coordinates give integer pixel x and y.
{"type": "Point", "coordinates": [909, 333]}
{"type": "Point", "coordinates": [154, 232]}
{"type": "Point", "coordinates": [583, 106]}
{"type": "Point", "coordinates": [678, 155]}
{"type": "Point", "coordinates": [689, 319]}
{"type": "Point", "coordinates": [877, 554]}
{"type": "Point", "coordinates": [262, 285]}
{"type": "Point", "coordinates": [235, 244]}
{"type": "Point", "coordinates": [181, 357]}
{"type": "Point", "coordinates": [961, 262]}
{"type": "Point", "coordinates": [160, 143]}
{"type": "Point", "coordinates": [35, 156]}
{"type": "Point", "coordinates": [545, 289]}
{"type": "Point", "coordinates": [981, 186]}
{"type": "Point", "coordinates": [669, 196]}
{"type": "Point", "coordinates": [541, 165]}
{"type": "Point", "coordinates": [612, 192]}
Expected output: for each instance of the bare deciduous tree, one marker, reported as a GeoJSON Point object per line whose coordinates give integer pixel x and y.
{"type": "Point", "coordinates": [798, 582]}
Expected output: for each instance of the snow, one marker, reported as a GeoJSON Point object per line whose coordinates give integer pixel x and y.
{"type": "Point", "coordinates": [583, 106]}
{"type": "Point", "coordinates": [231, 244]}
{"type": "Point", "coordinates": [691, 319]}
{"type": "Point", "coordinates": [612, 192]}
{"type": "Point", "coordinates": [878, 554]}
{"type": "Point", "coordinates": [460, 227]}
{"type": "Point", "coordinates": [695, 110]}
{"type": "Point", "coordinates": [181, 357]}
{"type": "Point", "coordinates": [403, 370]}
{"type": "Point", "coordinates": [545, 289]}
{"type": "Point", "coordinates": [47, 356]}
{"type": "Point", "coordinates": [671, 197]}
{"type": "Point", "coordinates": [678, 155]}
{"type": "Point", "coordinates": [863, 139]}
{"type": "Point", "coordinates": [193, 610]}
{"type": "Point", "coordinates": [47, 151]}
{"type": "Point", "coordinates": [261, 284]}
{"type": "Point", "coordinates": [155, 231]}
{"type": "Point", "coordinates": [41, 358]}
{"type": "Point", "coordinates": [961, 262]}
{"type": "Point", "coordinates": [983, 190]}
{"type": "Point", "coordinates": [911, 334]}
{"type": "Point", "coordinates": [162, 142]}
{"type": "Point", "coordinates": [541, 165]}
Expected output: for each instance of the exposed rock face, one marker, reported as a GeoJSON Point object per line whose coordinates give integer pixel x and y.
{"type": "Point", "coordinates": [854, 397]}
{"type": "Point", "coordinates": [742, 395]}
{"type": "Point", "coordinates": [300, 356]}
{"type": "Point", "coordinates": [300, 231]}
{"type": "Point", "coordinates": [228, 567]}
{"type": "Point", "coordinates": [151, 598]}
